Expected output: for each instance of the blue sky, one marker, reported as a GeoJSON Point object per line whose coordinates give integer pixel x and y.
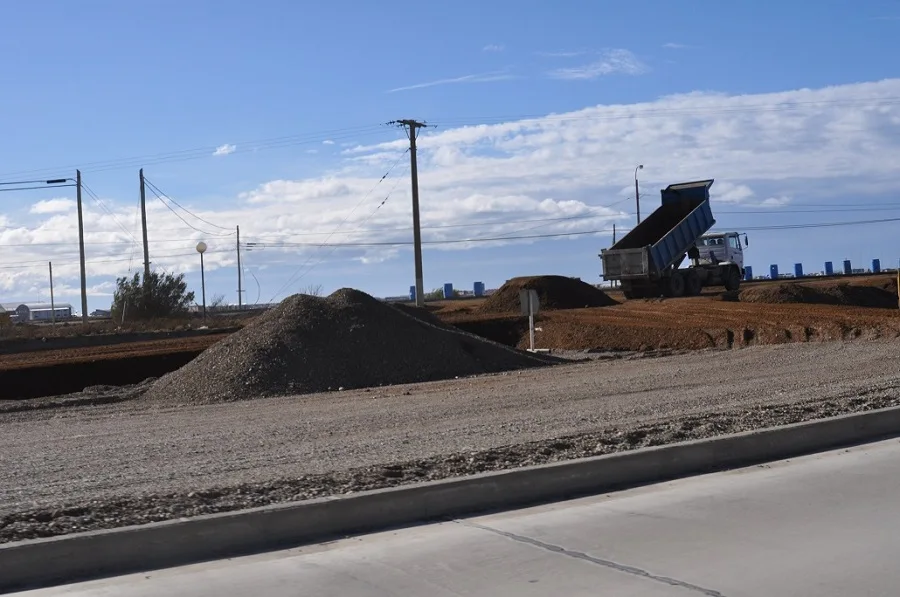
{"type": "Point", "coordinates": [791, 109]}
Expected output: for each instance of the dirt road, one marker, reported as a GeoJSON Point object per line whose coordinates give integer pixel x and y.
{"type": "Point", "coordinates": [66, 469]}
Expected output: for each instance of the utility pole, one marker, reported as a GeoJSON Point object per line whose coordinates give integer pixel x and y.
{"type": "Point", "coordinates": [412, 127]}
{"type": "Point", "coordinates": [144, 230]}
{"type": "Point", "coordinates": [637, 192]}
{"type": "Point", "coordinates": [84, 307]}
{"type": "Point", "coordinates": [240, 290]}
{"type": "Point", "coordinates": [613, 284]}
{"type": "Point", "coordinates": [52, 302]}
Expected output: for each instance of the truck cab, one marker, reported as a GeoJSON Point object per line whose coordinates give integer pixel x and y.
{"type": "Point", "coordinates": [723, 247]}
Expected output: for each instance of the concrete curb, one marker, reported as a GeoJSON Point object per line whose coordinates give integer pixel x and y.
{"type": "Point", "coordinates": [45, 562]}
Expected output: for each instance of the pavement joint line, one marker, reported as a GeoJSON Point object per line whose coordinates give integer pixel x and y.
{"type": "Point", "coordinates": [674, 582]}
{"type": "Point", "coordinates": [90, 555]}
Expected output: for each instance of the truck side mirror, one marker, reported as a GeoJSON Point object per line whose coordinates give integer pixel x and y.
{"type": "Point", "coordinates": [746, 242]}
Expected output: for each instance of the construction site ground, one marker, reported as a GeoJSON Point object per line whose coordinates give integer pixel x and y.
{"type": "Point", "coordinates": [71, 468]}
{"type": "Point", "coordinates": [709, 321]}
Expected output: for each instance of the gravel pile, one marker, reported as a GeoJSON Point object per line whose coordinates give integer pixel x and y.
{"type": "Point", "coordinates": [554, 292]}
{"type": "Point", "coordinates": [838, 294]}
{"type": "Point", "coordinates": [346, 340]}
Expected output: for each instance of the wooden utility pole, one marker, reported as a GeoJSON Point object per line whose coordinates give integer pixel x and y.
{"type": "Point", "coordinates": [240, 289]}
{"type": "Point", "coordinates": [52, 301]}
{"type": "Point", "coordinates": [412, 127]}
{"type": "Point", "coordinates": [144, 231]}
{"type": "Point", "coordinates": [84, 306]}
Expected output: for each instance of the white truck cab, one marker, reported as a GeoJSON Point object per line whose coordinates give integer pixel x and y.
{"type": "Point", "coordinates": [722, 247]}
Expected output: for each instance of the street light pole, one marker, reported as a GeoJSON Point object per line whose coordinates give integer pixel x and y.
{"type": "Point", "coordinates": [201, 248]}
{"type": "Point", "coordinates": [637, 193]}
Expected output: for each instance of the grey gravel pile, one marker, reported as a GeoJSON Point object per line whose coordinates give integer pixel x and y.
{"type": "Point", "coordinates": [346, 340]}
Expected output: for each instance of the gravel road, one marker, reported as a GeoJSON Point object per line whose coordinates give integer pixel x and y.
{"type": "Point", "coordinates": [77, 467]}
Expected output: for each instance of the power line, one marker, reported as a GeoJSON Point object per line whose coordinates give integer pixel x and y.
{"type": "Point", "coordinates": [209, 150]}
{"type": "Point", "coordinates": [360, 202]}
{"type": "Point", "coordinates": [662, 112]}
{"type": "Point", "coordinates": [40, 263]}
{"type": "Point", "coordinates": [178, 215]}
{"type": "Point", "coordinates": [103, 206]}
{"type": "Point", "coordinates": [158, 190]}
{"type": "Point", "coordinates": [11, 189]}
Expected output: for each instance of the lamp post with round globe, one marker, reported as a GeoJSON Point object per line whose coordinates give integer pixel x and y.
{"type": "Point", "coordinates": [201, 248]}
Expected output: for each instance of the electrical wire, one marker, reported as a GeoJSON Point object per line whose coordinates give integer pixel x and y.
{"type": "Point", "coordinates": [374, 211]}
{"type": "Point", "coordinates": [186, 223]}
{"type": "Point", "coordinates": [103, 206]}
{"type": "Point", "coordinates": [360, 202]}
{"type": "Point", "coordinates": [11, 189]}
{"type": "Point", "coordinates": [169, 197]}
{"type": "Point", "coordinates": [209, 150]}
{"type": "Point", "coordinates": [664, 112]}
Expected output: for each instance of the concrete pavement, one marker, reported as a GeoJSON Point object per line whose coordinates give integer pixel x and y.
{"type": "Point", "coordinates": [824, 526]}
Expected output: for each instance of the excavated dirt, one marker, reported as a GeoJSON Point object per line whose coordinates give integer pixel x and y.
{"type": "Point", "coordinates": [832, 294]}
{"type": "Point", "coordinates": [554, 292]}
{"type": "Point", "coordinates": [685, 324]}
{"type": "Point", "coordinates": [347, 340]}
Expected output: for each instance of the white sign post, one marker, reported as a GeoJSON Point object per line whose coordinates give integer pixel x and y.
{"type": "Point", "coordinates": [529, 304]}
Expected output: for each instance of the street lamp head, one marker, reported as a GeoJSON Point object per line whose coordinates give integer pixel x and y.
{"type": "Point", "coordinates": [641, 167]}
{"type": "Point", "coordinates": [201, 247]}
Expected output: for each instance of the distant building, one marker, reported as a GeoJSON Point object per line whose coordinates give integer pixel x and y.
{"type": "Point", "coordinates": [24, 312]}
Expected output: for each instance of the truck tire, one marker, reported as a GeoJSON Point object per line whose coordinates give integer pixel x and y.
{"type": "Point", "coordinates": [732, 279]}
{"type": "Point", "coordinates": [692, 284]}
{"type": "Point", "coordinates": [673, 286]}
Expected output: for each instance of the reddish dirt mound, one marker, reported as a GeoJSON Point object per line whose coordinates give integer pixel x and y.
{"type": "Point", "coordinates": [555, 292]}
{"type": "Point", "coordinates": [821, 294]}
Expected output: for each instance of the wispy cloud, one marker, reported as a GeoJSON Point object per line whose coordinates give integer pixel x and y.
{"type": "Point", "coordinates": [476, 78]}
{"type": "Point", "coordinates": [675, 46]}
{"type": "Point", "coordinates": [563, 53]}
{"type": "Point", "coordinates": [52, 206]}
{"type": "Point", "coordinates": [611, 62]}
{"type": "Point", "coordinates": [493, 48]}
{"type": "Point", "coordinates": [224, 149]}
{"type": "Point", "coordinates": [327, 142]}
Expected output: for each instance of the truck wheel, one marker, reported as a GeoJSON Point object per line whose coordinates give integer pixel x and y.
{"type": "Point", "coordinates": [674, 286]}
{"type": "Point", "coordinates": [692, 284]}
{"type": "Point", "coordinates": [732, 279]}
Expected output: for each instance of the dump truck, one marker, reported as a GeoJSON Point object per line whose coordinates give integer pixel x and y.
{"type": "Point", "coordinates": [647, 261]}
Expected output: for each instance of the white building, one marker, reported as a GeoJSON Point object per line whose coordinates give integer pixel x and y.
{"type": "Point", "coordinates": [22, 312]}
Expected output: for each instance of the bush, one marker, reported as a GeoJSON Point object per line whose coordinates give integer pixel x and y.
{"type": "Point", "coordinates": [160, 295]}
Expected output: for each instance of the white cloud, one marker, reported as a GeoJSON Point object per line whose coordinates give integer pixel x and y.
{"type": "Point", "coordinates": [674, 46]}
{"type": "Point", "coordinates": [545, 175]}
{"type": "Point", "coordinates": [52, 206]}
{"type": "Point", "coordinates": [475, 78]}
{"type": "Point", "coordinates": [224, 149]}
{"type": "Point", "coordinates": [611, 62]}
{"type": "Point", "coordinates": [327, 142]}
{"type": "Point", "coordinates": [493, 48]}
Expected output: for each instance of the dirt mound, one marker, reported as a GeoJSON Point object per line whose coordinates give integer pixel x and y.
{"type": "Point", "coordinates": [347, 340]}
{"type": "Point", "coordinates": [555, 292]}
{"type": "Point", "coordinates": [838, 294]}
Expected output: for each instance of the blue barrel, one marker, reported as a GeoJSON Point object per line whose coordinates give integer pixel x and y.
{"type": "Point", "coordinates": [876, 266]}
{"type": "Point", "coordinates": [412, 293]}
{"type": "Point", "coordinates": [773, 271]}
{"type": "Point", "coordinates": [448, 290]}
{"type": "Point", "coordinates": [748, 273]}
{"type": "Point", "coordinates": [798, 270]}
{"type": "Point", "coordinates": [848, 269]}
{"type": "Point", "coordinates": [829, 268]}
{"type": "Point", "coordinates": [479, 289]}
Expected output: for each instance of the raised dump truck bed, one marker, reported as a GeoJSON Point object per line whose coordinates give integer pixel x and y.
{"type": "Point", "coordinates": [646, 260]}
